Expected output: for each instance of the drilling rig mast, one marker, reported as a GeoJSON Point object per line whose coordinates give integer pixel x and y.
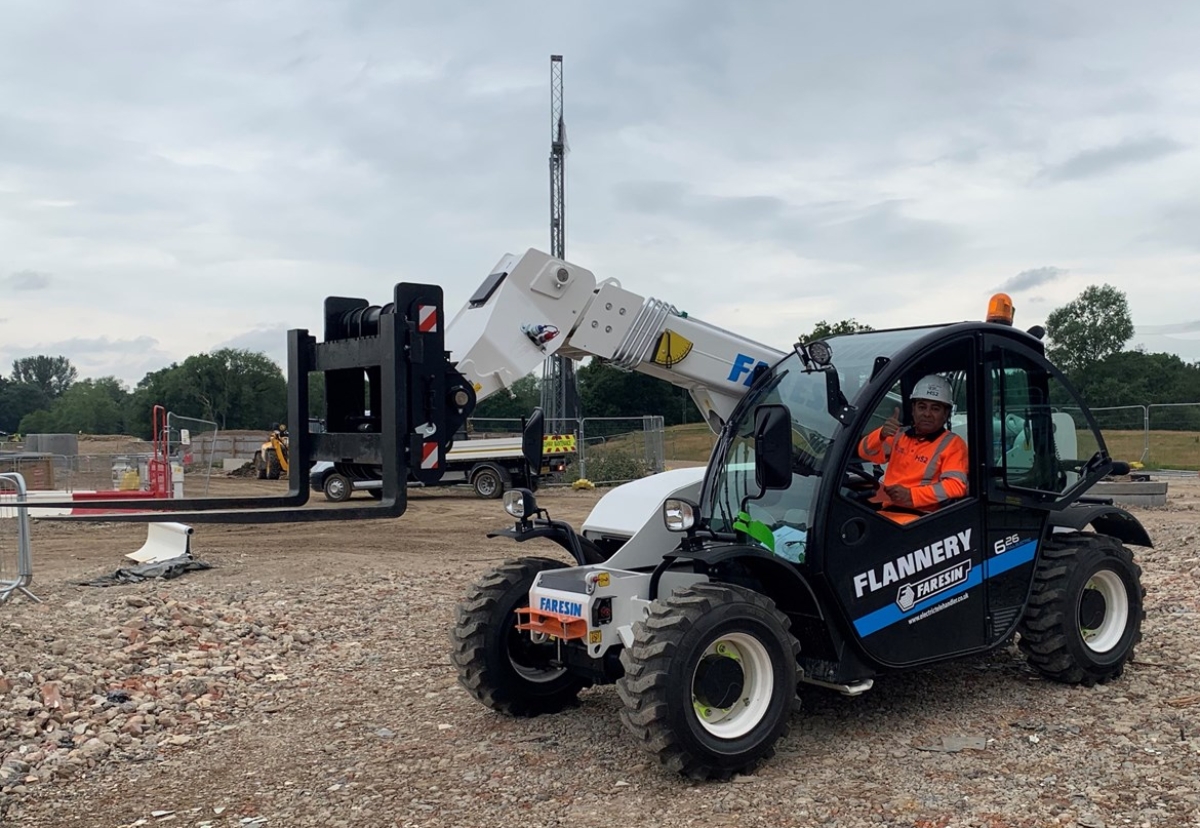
{"type": "Point", "coordinates": [560, 389]}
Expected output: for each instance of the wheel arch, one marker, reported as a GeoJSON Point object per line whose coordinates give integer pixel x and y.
{"type": "Point", "coordinates": [1106, 520]}
{"type": "Point", "coordinates": [777, 579]}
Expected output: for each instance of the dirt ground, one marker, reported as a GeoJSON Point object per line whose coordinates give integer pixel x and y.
{"type": "Point", "coordinates": [326, 697]}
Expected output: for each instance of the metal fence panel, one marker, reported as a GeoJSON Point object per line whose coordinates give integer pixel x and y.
{"type": "Point", "coordinates": [616, 449]}
{"type": "Point", "coordinates": [1174, 435]}
{"type": "Point", "coordinates": [480, 427]}
{"type": "Point", "coordinates": [1125, 430]}
{"type": "Point", "coordinates": [16, 559]}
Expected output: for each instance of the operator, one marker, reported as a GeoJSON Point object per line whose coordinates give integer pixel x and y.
{"type": "Point", "coordinates": [926, 463]}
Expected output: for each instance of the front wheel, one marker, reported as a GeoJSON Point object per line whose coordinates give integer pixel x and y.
{"type": "Point", "coordinates": [1085, 614]}
{"type": "Point", "coordinates": [501, 666]}
{"type": "Point", "coordinates": [710, 680]}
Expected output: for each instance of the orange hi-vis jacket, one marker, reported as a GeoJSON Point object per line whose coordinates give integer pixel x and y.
{"type": "Point", "coordinates": [933, 468]}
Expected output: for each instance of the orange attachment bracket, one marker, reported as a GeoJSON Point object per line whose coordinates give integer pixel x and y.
{"type": "Point", "coordinates": [565, 627]}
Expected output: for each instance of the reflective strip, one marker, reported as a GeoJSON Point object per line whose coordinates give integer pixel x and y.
{"type": "Point", "coordinates": [862, 446]}
{"type": "Point", "coordinates": [931, 467]}
{"type": "Point", "coordinates": [939, 492]}
{"type": "Point", "coordinates": [955, 475]}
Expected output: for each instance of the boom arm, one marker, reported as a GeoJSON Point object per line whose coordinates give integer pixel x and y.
{"type": "Point", "coordinates": [534, 305]}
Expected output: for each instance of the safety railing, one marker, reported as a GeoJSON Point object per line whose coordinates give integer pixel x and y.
{"type": "Point", "coordinates": [16, 560]}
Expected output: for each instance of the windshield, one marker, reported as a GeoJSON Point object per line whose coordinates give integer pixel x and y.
{"type": "Point", "coordinates": [780, 519]}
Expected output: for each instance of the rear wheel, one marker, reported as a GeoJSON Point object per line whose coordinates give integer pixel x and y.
{"type": "Point", "coordinates": [710, 681]}
{"type": "Point", "coordinates": [499, 665]}
{"type": "Point", "coordinates": [488, 482]}
{"type": "Point", "coordinates": [1085, 614]}
{"type": "Point", "coordinates": [274, 469]}
{"type": "Point", "coordinates": [260, 466]}
{"type": "Point", "coordinates": [337, 487]}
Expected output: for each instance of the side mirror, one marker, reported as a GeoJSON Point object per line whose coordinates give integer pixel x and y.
{"type": "Point", "coordinates": [772, 447]}
{"type": "Point", "coordinates": [533, 436]}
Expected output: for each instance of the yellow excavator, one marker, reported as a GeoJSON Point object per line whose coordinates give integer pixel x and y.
{"type": "Point", "coordinates": [271, 459]}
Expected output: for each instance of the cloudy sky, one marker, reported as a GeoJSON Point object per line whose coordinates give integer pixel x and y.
{"type": "Point", "coordinates": [181, 176]}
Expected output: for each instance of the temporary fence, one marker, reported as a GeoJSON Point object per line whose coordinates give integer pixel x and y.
{"type": "Point", "coordinates": [1158, 435]}
{"type": "Point", "coordinates": [481, 427]}
{"type": "Point", "coordinates": [16, 560]}
{"type": "Point", "coordinates": [191, 443]}
{"type": "Point", "coordinates": [615, 449]}
{"type": "Point", "coordinates": [608, 449]}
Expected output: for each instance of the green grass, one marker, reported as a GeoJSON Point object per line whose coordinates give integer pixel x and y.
{"type": "Point", "coordinates": [1168, 449]}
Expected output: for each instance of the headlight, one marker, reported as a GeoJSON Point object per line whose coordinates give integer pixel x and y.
{"type": "Point", "coordinates": [679, 515]}
{"type": "Point", "coordinates": [520, 503]}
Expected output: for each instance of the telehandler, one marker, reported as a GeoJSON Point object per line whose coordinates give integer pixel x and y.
{"type": "Point", "coordinates": [708, 595]}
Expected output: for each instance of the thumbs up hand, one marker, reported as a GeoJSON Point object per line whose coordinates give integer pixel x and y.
{"type": "Point", "coordinates": [891, 425]}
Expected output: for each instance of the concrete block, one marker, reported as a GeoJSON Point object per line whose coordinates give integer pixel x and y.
{"type": "Point", "coordinates": [1129, 493]}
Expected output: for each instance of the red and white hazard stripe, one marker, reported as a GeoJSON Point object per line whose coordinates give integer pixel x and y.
{"type": "Point", "coordinates": [427, 318]}
{"type": "Point", "coordinates": [429, 455]}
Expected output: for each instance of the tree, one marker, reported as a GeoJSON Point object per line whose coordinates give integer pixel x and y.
{"type": "Point", "coordinates": [606, 391]}
{"type": "Point", "coordinates": [824, 330]}
{"type": "Point", "coordinates": [1093, 327]}
{"type": "Point", "coordinates": [51, 374]}
{"type": "Point", "coordinates": [18, 400]}
{"type": "Point", "coordinates": [233, 388]}
{"type": "Point", "coordinates": [525, 396]}
{"type": "Point", "coordinates": [92, 407]}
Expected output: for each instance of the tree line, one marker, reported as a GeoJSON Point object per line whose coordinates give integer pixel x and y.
{"type": "Point", "coordinates": [234, 388]}
{"type": "Point", "coordinates": [240, 389]}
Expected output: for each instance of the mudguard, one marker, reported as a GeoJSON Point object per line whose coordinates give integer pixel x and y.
{"type": "Point", "coordinates": [786, 586]}
{"type": "Point", "coordinates": [1107, 520]}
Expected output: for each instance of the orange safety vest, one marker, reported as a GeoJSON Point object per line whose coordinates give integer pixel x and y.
{"type": "Point", "coordinates": [933, 468]}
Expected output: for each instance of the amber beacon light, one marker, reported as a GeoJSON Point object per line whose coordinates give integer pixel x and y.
{"type": "Point", "coordinates": [1000, 309]}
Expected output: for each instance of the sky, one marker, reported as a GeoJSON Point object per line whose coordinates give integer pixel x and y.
{"type": "Point", "coordinates": [186, 176]}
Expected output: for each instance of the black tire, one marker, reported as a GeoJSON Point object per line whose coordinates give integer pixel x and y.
{"type": "Point", "coordinates": [488, 482]}
{"type": "Point", "coordinates": [1085, 613]}
{"type": "Point", "coordinates": [260, 467]}
{"type": "Point", "coordinates": [499, 665]}
{"type": "Point", "coordinates": [274, 469]}
{"type": "Point", "coordinates": [337, 487]}
{"type": "Point", "coordinates": [716, 648]}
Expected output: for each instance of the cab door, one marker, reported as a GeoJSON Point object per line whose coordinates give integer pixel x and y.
{"type": "Point", "coordinates": [911, 592]}
{"type": "Point", "coordinates": [1040, 437]}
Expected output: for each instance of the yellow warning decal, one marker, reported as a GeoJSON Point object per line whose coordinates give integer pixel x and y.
{"type": "Point", "coordinates": [672, 348]}
{"type": "Point", "coordinates": [603, 579]}
{"type": "Point", "coordinates": [595, 636]}
{"type": "Point", "coordinates": [558, 444]}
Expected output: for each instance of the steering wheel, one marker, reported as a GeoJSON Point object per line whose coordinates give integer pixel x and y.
{"type": "Point", "coordinates": [859, 481]}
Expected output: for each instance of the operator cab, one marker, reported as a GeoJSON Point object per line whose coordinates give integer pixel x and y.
{"type": "Point", "coordinates": [950, 579]}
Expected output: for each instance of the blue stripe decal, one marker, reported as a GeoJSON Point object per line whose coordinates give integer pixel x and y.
{"type": "Point", "coordinates": [1011, 558]}
{"type": "Point", "coordinates": [875, 621]}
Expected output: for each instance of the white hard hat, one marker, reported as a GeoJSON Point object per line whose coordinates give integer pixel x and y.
{"type": "Point", "coordinates": [934, 388]}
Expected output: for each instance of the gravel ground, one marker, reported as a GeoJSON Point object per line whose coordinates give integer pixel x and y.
{"type": "Point", "coordinates": [305, 681]}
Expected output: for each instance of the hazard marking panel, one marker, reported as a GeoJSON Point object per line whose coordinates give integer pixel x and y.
{"type": "Point", "coordinates": [427, 318]}
{"type": "Point", "coordinates": [429, 455]}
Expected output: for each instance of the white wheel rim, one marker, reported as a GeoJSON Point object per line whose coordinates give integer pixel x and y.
{"type": "Point", "coordinates": [485, 483]}
{"type": "Point", "coordinates": [758, 684]}
{"type": "Point", "coordinates": [1111, 588]}
{"type": "Point", "coordinates": [336, 488]}
{"type": "Point", "coordinates": [536, 675]}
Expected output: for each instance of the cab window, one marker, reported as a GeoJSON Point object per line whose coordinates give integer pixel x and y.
{"type": "Point", "coordinates": [1036, 441]}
